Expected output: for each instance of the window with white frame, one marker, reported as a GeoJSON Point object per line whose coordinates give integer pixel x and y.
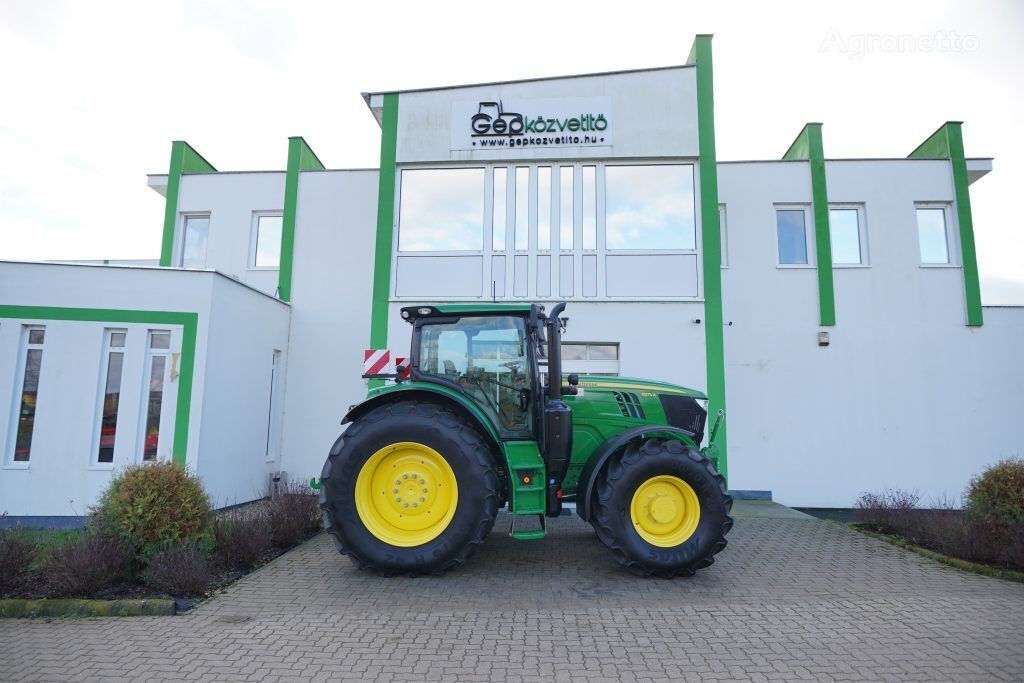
{"type": "Point", "coordinates": [194, 236]}
{"type": "Point", "coordinates": [110, 395]}
{"type": "Point", "coordinates": [157, 369]}
{"type": "Point", "coordinates": [791, 228]}
{"type": "Point", "coordinates": [265, 250]}
{"type": "Point", "coordinates": [26, 400]}
{"type": "Point", "coordinates": [848, 235]}
{"type": "Point", "coordinates": [650, 207]}
{"type": "Point", "coordinates": [441, 209]}
{"type": "Point", "coordinates": [536, 229]}
{"type": "Point", "coordinates": [587, 358]}
{"type": "Point", "coordinates": [933, 234]}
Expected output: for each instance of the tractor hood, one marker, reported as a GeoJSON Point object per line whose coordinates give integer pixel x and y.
{"type": "Point", "coordinates": [591, 382]}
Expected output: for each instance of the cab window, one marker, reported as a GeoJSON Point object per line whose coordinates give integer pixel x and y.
{"type": "Point", "coordinates": [486, 356]}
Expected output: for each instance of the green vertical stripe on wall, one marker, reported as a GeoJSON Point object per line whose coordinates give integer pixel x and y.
{"type": "Point", "coordinates": [948, 143]}
{"type": "Point", "coordinates": [808, 145]}
{"type": "Point", "coordinates": [385, 227]}
{"type": "Point", "coordinates": [184, 159]}
{"type": "Point", "coordinates": [300, 158]}
{"type": "Point", "coordinates": [189, 323]}
{"type": "Point", "coordinates": [711, 240]}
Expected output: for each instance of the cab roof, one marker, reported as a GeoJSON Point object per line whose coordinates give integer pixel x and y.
{"type": "Point", "coordinates": [411, 313]}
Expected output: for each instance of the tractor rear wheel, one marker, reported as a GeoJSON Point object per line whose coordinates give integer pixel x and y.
{"type": "Point", "coordinates": [409, 488]}
{"type": "Point", "coordinates": [661, 508]}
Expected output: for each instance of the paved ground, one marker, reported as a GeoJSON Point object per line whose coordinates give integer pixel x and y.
{"type": "Point", "coordinates": [791, 598]}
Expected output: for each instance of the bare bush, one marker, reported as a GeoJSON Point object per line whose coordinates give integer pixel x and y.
{"type": "Point", "coordinates": [86, 565]}
{"type": "Point", "coordinates": [17, 553]}
{"type": "Point", "coordinates": [241, 539]}
{"type": "Point", "coordinates": [294, 514]}
{"type": "Point", "coordinates": [179, 569]}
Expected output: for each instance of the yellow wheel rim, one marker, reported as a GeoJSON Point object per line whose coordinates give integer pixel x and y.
{"type": "Point", "coordinates": [406, 494]}
{"type": "Point", "coordinates": [665, 511]}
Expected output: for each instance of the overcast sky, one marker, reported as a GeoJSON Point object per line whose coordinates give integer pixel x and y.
{"type": "Point", "coordinates": [93, 93]}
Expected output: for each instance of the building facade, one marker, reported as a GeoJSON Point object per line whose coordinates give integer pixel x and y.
{"type": "Point", "coordinates": [830, 307]}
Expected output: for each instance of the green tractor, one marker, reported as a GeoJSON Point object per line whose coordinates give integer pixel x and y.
{"type": "Point", "coordinates": [474, 422]}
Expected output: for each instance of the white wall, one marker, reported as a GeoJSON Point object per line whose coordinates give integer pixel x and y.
{"type": "Point", "coordinates": [60, 479]}
{"type": "Point", "coordinates": [245, 329]}
{"type": "Point", "coordinates": [905, 395]}
{"type": "Point", "coordinates": [331, 282]}
{"type": "Point", "coordinates": [238, 328]}
{"type": "Point", "coordinates": [231, 199]}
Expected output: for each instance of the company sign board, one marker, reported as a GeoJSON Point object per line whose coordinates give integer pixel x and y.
{"type": "Point", "coordinates": [532, 123]}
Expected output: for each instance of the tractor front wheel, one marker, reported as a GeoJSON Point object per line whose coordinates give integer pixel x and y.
{"type": "Point", "coordinates": [661, 508]}
{"type": "Point", "coordinates": [409, 488]}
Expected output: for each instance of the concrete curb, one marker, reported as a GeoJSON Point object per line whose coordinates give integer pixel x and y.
{"type": "Point", "coordinates": [963, 565]}
{"type": "Point", "coordinates": [69, 607]}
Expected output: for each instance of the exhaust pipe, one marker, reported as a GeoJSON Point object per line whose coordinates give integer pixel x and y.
{"type": "Point", "coordinates": [557, 418]}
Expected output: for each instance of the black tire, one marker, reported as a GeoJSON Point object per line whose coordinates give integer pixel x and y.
{"type": "Point", "coordinates": [461, 445]}
{"type": "Point", "coordinates": [624, 474]}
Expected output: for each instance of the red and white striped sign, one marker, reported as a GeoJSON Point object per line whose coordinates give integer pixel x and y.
{"type": "Point", "coordinates": [376, 361]}
{"type": "Point", "coordinates": [399, 361]}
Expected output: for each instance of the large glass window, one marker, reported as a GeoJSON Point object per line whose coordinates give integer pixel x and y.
{"type": "Point", "coordinates": [522, 208]}
{"type": "Point", "coordinates": [267, 242]}
{"type": "Point", "coordinates": [845, 229]}
{"type": "Point", "coordinates": [544, 208]}
{"type": "Point", "coordinates": [933, 236]}
{"type": "Point", "coordinates": [32, 364]}
{"type": "Point", "coordinates": [111, 397]}
{"type": "Point", "coordinates": [193, 244]}
{"type": "Point", "coordinates": [486, 356]}
{"type": "Point", "coordinates": [650, 207]}
{"type": "Point", "coordinates": [441, 210]}
{"type": "Point", "coordinates": [590, 207]}
{"type": "Point", "coordinates": [791, 227]}
{"type": "Point", "coordinates": [499, 216]}
{"type": "Point", "coordinates": [566, 199]}
{"type": "Point", "coordinates": [156, 374]}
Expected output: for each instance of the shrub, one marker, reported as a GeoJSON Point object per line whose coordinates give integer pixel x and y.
{"type": "Point", "coordinates": [152, 505]}
{"type": "Point", "coordinates": [179, 569]}
{"type": "Point", "coordinates": [240, 540]}
{"type": "Point", "coordinates": [85, 565]}
{"type": "Point", "coordinates": [293, 513]}
{"type": "Point", "coordinates": [17, 553]}
{"type": "Point", "coordinates": [998, 493]}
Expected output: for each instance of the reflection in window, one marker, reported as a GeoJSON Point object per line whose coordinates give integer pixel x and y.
{"type": "Point", "coordinates": [193, 249]}
{"type": "Point", "coordinates": [844, 227]}
{"type": "Point", "coordinates": [567, 198]}
{"type": "Point", "coordinates": [29, 394]}
{"type": "Point", "coordinates": [441, 210]}
{"type": "Point", "coordinates": [792, 233]}
{"type": "Point", "coordinates": [487, 357]}
{"type": "Point", "coordinates": [650, 207]}
{"type": "Point", "coordinates": [499, 219]}
{"type": "Point", "coordinates": [157, 368]}
{"type": "Point", "coordinates": [111, 396]}
{"type": "Point", "coordinates": [932, 235]}
{"type": "Point", "coordinates": [268, 242]}
{"type": "Point", "coordinates": [544, 207]}
{"type": "Point", "coordinates": [590, 207]}
{"type": "Point", "coordinates": [522, 208]}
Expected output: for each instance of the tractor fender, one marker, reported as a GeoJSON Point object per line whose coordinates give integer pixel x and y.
{"type": "Point", "coordinates": [611, 445]}
{"type": "Point", "coordinates": [460, 405]}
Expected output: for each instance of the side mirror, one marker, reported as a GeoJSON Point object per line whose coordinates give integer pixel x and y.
{"type": "Point", "coordinates": [573, 379]}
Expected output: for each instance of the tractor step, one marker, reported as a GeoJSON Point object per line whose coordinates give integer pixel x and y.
{"type": "Point", "coordinates": [527, 534]}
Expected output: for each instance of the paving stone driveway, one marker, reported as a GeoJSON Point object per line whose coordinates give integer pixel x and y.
{"type": "Point", "coordinates": [790, 598]}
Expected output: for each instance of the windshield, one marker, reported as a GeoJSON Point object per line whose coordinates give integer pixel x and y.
{"type": "Point", "coordinates": [486, 356]}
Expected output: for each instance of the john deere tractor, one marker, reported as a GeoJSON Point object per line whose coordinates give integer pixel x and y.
{"type": "Point", "coordinates": [482, 417]}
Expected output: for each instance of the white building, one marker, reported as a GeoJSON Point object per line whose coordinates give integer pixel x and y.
{"type": "Point", "coordinates": [830, 306]}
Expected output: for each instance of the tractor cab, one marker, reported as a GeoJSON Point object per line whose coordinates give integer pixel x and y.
{"type": "Point", "coordinates": [500, 356]}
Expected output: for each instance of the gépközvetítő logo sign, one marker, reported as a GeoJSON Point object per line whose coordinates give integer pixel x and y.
{"type": "Point", "coordinates": [578, 121]}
